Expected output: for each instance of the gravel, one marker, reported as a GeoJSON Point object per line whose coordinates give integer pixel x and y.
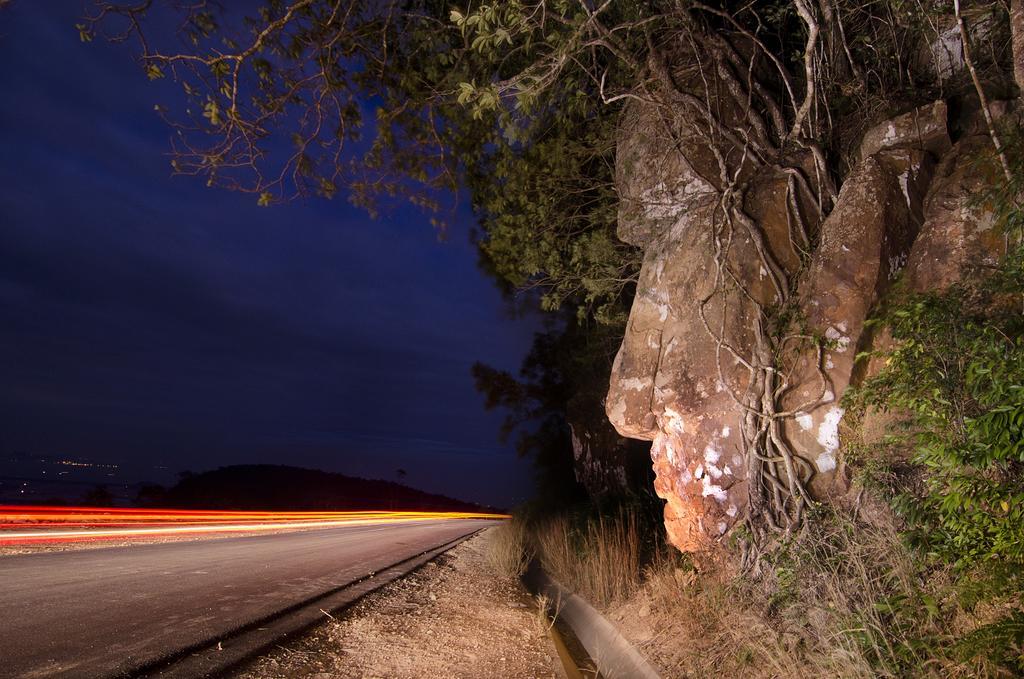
{"type": "Point", "coordinates": [455, 617]}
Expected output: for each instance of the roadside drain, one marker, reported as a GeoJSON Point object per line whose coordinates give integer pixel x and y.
{"type": "Point", "coordinates": [575, 661]}
{"type": "Point", "coordinates": [587, 643]}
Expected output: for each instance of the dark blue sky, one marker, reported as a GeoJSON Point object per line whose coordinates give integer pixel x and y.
{"type": "Point", "coordinates": [148, 319]}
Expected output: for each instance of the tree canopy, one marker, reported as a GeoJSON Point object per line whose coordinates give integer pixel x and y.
{"type": "Point", "coordinates": [377, 101]}
{"type": "Point", "coordinates": [516, 101]}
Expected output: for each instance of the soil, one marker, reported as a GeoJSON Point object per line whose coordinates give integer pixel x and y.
{"type": "Point", "coordinates": [654, 634]}
{"type": "Point", "coordinates": [454, 617]}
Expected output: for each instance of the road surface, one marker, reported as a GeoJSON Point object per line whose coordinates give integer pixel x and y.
{"type": "Point", "coordinates": [106, 612]}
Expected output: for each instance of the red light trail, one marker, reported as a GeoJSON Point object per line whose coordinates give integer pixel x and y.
{"type": "Point", "coordinates": [21, 525]}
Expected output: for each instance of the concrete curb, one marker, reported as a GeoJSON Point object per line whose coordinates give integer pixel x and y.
{"type": "Point", "coordinates": [613, 655]}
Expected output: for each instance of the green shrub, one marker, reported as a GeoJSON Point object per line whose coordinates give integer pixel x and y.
{"type": "Point", "coordinates": [956, 371]}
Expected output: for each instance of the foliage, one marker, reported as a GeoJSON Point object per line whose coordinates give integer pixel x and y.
{"type": "Point", "coordinates": [956, 372]}
{"type": "Point", "coordinates": [548, 212]}
{"type": "Point", "coordinates": [957, 369]}
{"type": "Point", "coordinates": [369, 99]}
{"type": "Point", "coordinates": [875, 608]}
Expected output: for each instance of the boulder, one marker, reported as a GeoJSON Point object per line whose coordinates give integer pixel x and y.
{"type": "Point", "coordinates": [672, 383]}
{"type": "Point", "coordinates": [959, 218]}
{"type": "Point", "coordinates": [941, 59]}
{"type": "Point", "coordinates": [864, 244]}
{"type": "Point", "coordinates": [605, 463]}
{"type": "Point", "coordinates": [924, 128]}
{"type": "Point", "coordinates": [957, 235]}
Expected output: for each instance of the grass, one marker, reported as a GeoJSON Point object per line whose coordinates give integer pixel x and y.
{"type": "Point", "coordinates": [600, 555]}
{"type": "Point", "coordinates": [507, 551]}
{"type": "Point", "coordinates": [599, 558]}
{"type": "Point", "coordinates": [844, 599]}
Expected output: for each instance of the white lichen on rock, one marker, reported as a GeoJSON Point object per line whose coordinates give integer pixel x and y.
{"type": "Point", "coordinates": [828, 431]}
{"type": "Point", "coordinates": [634, 384]}
{"type": "Point", "coordinates": [826, 462]}
{"type": "Point", "coordinates": [836, 334]}
{"type": "Point", "coordinates": [577, 444]}
{"type": "Point", "coordinates": [709, 489]}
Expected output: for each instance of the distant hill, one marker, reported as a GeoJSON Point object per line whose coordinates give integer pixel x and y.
{"type": "Point", "coordinates": [279, 487]}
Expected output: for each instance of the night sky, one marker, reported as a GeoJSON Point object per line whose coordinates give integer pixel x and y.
{"type": "Point", "coordinates": [147, 320]}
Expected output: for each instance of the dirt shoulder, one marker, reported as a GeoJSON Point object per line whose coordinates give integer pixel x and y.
{"type": "Point", "coordinates": [455, 617]}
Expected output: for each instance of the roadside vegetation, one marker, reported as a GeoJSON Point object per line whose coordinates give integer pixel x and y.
{"type": "Point", "coordinates": [954, 471]}
{"type": "Point", "coordinates": [847, 598]}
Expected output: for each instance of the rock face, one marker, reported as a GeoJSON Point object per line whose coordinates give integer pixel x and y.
{"type": "Point", "coordinates": [864, 244]}
{"type": "Point", "coordinates": [942, 57]}
{"type": "Point", "coordinates": [958, 235]}
{"type": "Point", "coordinates": [605, 462]}
{"type": "Point", "coordinates": [923, 128]}
{"type": "Point", "coordinates": [683, 371]}
{"type": "Point", "coordinates": [671, 382]}
{"type": "Point", "coordinates": [958, 229]}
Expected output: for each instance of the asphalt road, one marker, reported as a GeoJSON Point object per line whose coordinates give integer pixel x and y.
{"type": "Point", "coordinates": [103, 612]}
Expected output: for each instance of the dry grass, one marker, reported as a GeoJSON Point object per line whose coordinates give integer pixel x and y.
{"type": "Point", "coordinates": [507, 549]}
{"type": "Point", "coordinates": [798, 619]}
{"type": "Point", "coordinates": [842, 601]}
{"type": "Point", "coordinates": [602, 559]}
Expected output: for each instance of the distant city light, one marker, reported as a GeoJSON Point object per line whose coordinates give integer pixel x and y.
{"type": "Point", "coordinates": [78, 463]}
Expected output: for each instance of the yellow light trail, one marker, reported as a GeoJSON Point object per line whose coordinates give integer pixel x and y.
{"type": "Point", "coordinates": [21, 525]}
